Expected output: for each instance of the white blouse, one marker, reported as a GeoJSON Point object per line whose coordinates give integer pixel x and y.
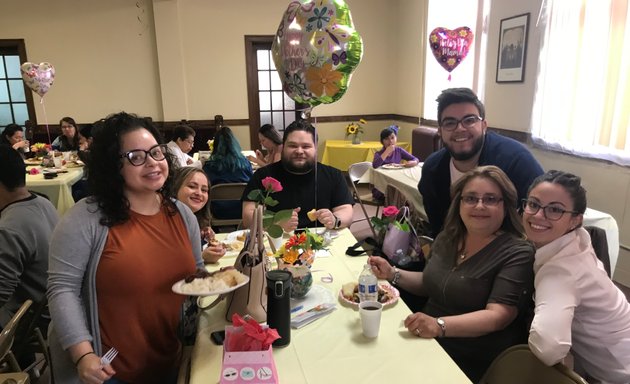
{"type": "Point", "coordinates": [182, 158]}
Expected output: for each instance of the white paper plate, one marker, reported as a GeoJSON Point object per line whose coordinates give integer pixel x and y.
{"type": "Point", "coordinates": [233, 235]}
{"type": "Point", "coordinates": [393, 292]}
{"type": "Point", "coordinates": [392, 166]}
{"type": "Point", "coordinates": [177, 288]}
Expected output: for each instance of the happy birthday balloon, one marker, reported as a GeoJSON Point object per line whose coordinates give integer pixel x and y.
{"type": "Point", "coordinates": [450, 47]}
{"type": "Point", "coordinates": [38, 77]}
{"type": "Point", "coordinates": [316, 49]}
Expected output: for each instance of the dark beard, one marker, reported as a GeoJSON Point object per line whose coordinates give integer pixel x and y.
{"type": "Point", "coordinates": [464, 156]}
{"type": "Point", "coordinates": [300, 170]}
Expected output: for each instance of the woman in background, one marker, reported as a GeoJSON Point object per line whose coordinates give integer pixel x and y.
{"type": "Point", "coordinates": [227, 165]}
{"type": "Point", "coordinates": [113, 259]}
{"type": "Point", "coordinates": [182, 143]}
{"type": "Point", "coordinates": [478, 278]}
{"type": "Point", "coordinates": [391, 154]}
{"type": "Point", "coordinates": [190, 185]}
{"type": "Point", "coordinates": [13, 136]}
{"type": "Point", "coordinates": [579, 310]}
{"type": "Point", "coordinates": [270, 140]}
{"type": "Point", "coordinates": [69, 140]}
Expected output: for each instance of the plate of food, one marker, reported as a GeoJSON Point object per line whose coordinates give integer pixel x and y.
{"type": "Point", "coordinates": [204, 283]}
{"type": "Point", "coordinates": [239, 235]}
{"type": "Point", "coordinates": [392, 166]}
{"type": "Point", "coordinates": [349, 294]}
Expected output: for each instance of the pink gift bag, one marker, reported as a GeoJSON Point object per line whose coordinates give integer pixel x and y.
{"type": "Point", "coordinates": [246, 367]}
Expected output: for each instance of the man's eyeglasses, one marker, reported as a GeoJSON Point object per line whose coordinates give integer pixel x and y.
{"type": "Point", "coordinates": [551, 212]}
{"type": "Point", "coordinates": [487, 200]}
{"type": "Point", "coordinates": [138, 157]}
{"type": "Point", "coordinates": [450, 124]}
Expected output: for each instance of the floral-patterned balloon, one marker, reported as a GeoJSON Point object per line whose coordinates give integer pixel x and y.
{"type": "Point", "coordinates": [450, 47]}
{"type": "Point", "coordinates": [38, 77]}
{"type": "Point", "coordinates": [316, 49]}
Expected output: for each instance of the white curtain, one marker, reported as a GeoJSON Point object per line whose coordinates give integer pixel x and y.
{"type": "Point", "coordinates": [582, 102]}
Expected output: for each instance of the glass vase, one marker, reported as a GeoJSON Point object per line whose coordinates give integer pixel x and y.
{"type": "Point", "coordinates": [356, 139]}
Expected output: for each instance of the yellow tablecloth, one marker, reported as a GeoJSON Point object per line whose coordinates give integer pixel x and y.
{"type": "Point", "coordinates": [332, 349]}
{"type": "Point", "coordinates": [342, 153]}
{"type": "Point", "coordinates": [59, 189]}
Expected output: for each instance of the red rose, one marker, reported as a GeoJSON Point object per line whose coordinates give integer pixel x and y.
{"type": "Point", "coordinates": [390, 211]}
{"type": "Point", "coordinates": [271, 185]}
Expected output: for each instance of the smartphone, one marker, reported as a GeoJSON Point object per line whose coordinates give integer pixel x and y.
{"type": "Point", "coordinates": [217, 337]}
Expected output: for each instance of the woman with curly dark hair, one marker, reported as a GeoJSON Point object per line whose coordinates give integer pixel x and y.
{"type": "Point", "coordinates": [113, 260]}
{"type": "Point", "coordinates": [69, 138]}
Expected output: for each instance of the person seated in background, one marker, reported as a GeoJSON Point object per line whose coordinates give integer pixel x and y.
{"type": "Point", "coordinates": [467, 144]}
{"type": "Point", "coordinates": [69, 138]}
{"type": "Point", "coordinates": [85, 136]}
{"type": "Point", "coordinates": [113, 259]}
{"type": "Point", "coordinates": [227, 165]}
{"type": "Point", "coordinates": [26, 224]}
{"type": "Point", "coordinates": [579, 310]}
{"type": "Point", "coordinates": [270, 140]}
{"type": "Point", "coordinates": [391, 154]}
{"type": "Point", "coordinates": [307, 184]}
{"type": "Point", "coordinates": [190, 185]}
{"type": "Point", "coordinates": [182, 143]}
{"type": "Point", "coordinates": [478, 277]}
{"type": "Point", "coordinates": [13, 136]}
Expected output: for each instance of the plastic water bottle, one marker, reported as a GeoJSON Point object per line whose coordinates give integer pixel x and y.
{"type": "Point", "coordinates": [398, 256]}
{"type": "Point", "coordinates": [368, 284]}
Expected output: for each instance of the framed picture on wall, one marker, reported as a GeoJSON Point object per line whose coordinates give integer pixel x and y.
{"type": "Point", "coordinates": [512, 49]}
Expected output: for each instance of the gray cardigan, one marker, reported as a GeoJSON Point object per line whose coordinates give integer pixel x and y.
{"type": "Point", "coordinates": [71, 291]}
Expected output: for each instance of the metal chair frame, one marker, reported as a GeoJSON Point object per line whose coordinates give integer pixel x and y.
{"type": "Point", "coordinates": [355, 173]}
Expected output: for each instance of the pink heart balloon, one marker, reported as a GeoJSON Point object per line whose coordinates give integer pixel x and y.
{"type": "Point", "coordinates": [450, 47]}
{"type": "Point", "coordinates": [38, 77]}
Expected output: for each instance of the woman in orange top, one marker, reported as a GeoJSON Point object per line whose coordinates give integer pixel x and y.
{"type": "Point", "coordinates": [113, 259]}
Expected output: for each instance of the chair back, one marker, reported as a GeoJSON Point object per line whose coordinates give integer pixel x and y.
{"type": "Point", "coordinates": [8, 332]}
{"type": "Point", "coordinates": [225, 192]}
{"type": "Point", "coordinates": [518, 365]}
{"type": "Point", "coordinates": [600, 246]}
{"type": "Point", "coordinates": [357, 170]}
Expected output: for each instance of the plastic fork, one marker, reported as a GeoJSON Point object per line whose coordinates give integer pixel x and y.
{"type": "Point", "coordinates": [109, 357]}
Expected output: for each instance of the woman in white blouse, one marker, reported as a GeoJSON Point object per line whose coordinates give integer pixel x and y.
{"type": "Point", "coordinates": [578, 308]}
{"type": "Point", "coordinates": [182, 143]}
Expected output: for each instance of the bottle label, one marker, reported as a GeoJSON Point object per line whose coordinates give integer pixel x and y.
{"type": "Point", "coordinates": [372, 289]}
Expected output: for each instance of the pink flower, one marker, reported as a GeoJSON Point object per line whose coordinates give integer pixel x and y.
{"type": "Point", "coordinates": [33, 171]}
{"type": "Point", "coordinates": [390, 211]}
{"type": "Point", "coordinates": [271, 185]}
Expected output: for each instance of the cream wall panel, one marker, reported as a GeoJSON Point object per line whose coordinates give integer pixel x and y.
{"type": "Point", "coordinates": [103, 55]}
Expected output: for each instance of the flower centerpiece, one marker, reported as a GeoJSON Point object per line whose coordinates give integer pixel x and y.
{"type": "Point", "coordinates": [262, 197]}
{"type": "Point", "coordinates": [297, 256]}
{"type": "Point", "coordinates": [41, 149]}
{"type": "Point", "coordinates": [211, 144]}
{"type": "Point", "coordinates": [355, 130]}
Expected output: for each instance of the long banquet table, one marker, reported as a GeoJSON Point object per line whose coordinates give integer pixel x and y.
{"type": "Point", "coordinates": [59, 189]}
{"type": "Point", "coordinates": [332, 349]}
{"type": "Point", "coordinates": [342, 153]}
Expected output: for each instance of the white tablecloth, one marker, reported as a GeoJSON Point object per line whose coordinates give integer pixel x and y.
{"type": "Point", "coordinates": [59, 189]}
{"type": "Point", "coordinates": [332, 349]}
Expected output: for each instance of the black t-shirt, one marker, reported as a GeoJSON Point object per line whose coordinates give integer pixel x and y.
{"type": "Point", "coordinates": [331, 190]}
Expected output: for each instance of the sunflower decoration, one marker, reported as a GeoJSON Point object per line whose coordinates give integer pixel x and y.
{"type": "Point", "coordinates": [355, 129]}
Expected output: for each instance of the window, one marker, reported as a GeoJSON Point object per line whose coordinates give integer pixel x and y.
{"type": "Point", "coordinates": [268, 104]}
{"type": "Point", "coordinates": [582, 100]}
{"type": "Point", "coordinates": [16, 100]}
{"type": "Point", "coordinates": [469, 73]}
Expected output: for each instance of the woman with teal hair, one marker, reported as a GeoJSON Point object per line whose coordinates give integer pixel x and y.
{"type": "Point", "coordinates": [227, 165]}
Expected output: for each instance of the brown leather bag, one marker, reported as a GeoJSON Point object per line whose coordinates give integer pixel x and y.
{"type": "Point", "coordinates": [251, 299]}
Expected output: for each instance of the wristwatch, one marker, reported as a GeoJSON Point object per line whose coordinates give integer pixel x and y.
{"type": "Point", "coordinates": [396, 277]}
{"type": "Point", "coordinates": [442, 325]}
{"type": "Point", "coordinates": [337, 222]}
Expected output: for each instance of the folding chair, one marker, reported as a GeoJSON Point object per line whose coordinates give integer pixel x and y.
{"type": "Point", "coordinates": [8, 364]}
{"type": "Point", "coordinates": [356, 171]}
{"type": "Point", "coordinates": [518, 365]}
{"type": "Point", "coordinates": [225, 192]}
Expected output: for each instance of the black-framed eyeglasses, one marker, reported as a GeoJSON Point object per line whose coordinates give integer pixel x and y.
{"type": "Point", "coordinates": [138, 157]}
{"type": "Point", "coordinates": [486, 200]}
{"type": "Point", "coordinates": [450, 124]}
{"type": "Point", "coordinates": [551, 212]}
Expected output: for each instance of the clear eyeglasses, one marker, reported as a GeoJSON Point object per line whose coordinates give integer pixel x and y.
{"type": "Point", "coordinates": [551, 212]}
{"type": "Point", "coordinates": [450, 124]}
{"type": "Point", "coordinates": [487, 200]}
{"type": "Point", "coordinates": [138, 157]}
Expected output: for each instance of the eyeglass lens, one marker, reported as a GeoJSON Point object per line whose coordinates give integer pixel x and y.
{"type": "Point", "coordinates": [488, 200]}
{"type": "Point", "coordinates": [551, 212]}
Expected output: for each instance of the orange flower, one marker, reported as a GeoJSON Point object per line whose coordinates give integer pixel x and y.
{"type": "Point", "coordinates": [323, 80]}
